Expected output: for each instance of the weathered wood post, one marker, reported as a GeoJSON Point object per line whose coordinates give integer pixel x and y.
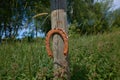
{"type": "Point", "coordinates": [59, 20]}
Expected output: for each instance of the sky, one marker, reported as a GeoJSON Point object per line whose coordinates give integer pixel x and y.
{"type": "Point", "coordinates": [116, 4]}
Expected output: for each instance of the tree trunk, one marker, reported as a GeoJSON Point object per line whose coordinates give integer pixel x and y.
{"type": "Point", "coordinates": [59, 20]}
{"type": "Point", "coordinates": [36, 29]}
{"type": "Point", "coordinates": [0, 34]}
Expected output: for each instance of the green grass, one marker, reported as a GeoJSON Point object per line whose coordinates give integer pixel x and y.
{"type": "Point", "coordinates": [96, 57]}
{"type": "Point", "coordinates": [93, 57]}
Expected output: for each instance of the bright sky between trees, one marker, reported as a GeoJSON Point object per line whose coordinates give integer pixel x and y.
{"type": "Point", "coordinates": [116, 4]}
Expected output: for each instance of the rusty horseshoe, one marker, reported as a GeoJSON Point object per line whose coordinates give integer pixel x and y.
{"type": "Point", "coordinates": [64, 37]}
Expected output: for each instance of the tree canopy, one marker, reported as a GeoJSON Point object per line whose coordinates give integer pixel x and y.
{"type": "Point", "coordinates": [87, 16]}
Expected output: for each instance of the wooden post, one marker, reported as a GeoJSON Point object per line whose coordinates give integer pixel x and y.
{"type": "Point", "coordinates": [59, 20]}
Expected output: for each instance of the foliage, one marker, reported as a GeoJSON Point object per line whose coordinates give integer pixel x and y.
{"type": "Point", "coordinates": [91, 17]}
{"type": "Point", "coordinates": [17, 14]}
{"type": "Point", "coordinates": [43, 21]}
{"type": "Point", "coordinates": [117, 18]}
{"type": "Point", "coordinates": [88, 16]}
{"type": "Point", "coordinates": [93, 57]}
{"type": "Point", "coordinates": [11, 15]}
{"type": "Point", "coordinates": [24, 61]}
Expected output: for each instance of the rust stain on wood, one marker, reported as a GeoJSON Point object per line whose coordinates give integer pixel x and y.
{"type": "Point", "coordinates": [59, 22]}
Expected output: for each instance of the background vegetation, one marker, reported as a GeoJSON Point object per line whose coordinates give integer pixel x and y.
{"type": "Point", "coordinates": [93, 57]}
{"type": "Point", "coordinates": [87, 16]}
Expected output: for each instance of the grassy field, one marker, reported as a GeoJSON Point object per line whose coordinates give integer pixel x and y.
{"type": "Point", "coordinates": [93, 57]}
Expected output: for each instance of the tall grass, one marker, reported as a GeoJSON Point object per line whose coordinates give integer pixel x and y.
{"type": "Point", "coordinates": [24, 61]}
{"type": "Point", "coordinates": [94, 57]}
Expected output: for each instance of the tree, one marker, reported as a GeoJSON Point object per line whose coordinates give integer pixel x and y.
{"type": "Point", "coordinates": [116, 22]}
{"type": "Point", "coordinates": [14, 13]}
{"type": "Point", "coordinates": [43, 21]}
{"type": "Point", "coordinates": [91, 17]}
{"type": "Point", "coordinates": [11, 15]}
